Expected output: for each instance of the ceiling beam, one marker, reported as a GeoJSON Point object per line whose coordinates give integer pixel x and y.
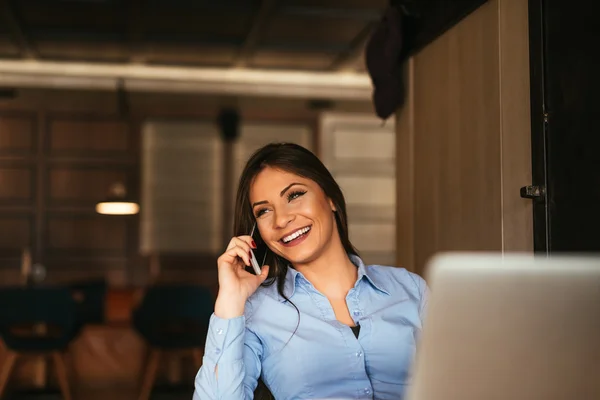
{"type": "Point", "coordinates": [214, 81]}
{"type": "Point", "coordinates": [25, 46]}
{"type": "Point", "coordinates": [347, 59]}
{"type": "Point", "coordinates": [364, 14]}
{"type": "Point", "coordinates": [149, 39]}
{"type": "Point", "coordinates": [253, 37]}
{"type": "Point", "coordinates": [231, 7]}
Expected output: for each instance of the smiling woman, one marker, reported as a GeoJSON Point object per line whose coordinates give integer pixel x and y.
{"type": "Point", "coordinates": [330, 327]}
{"type": "Point", "coordinates": [299, 212]}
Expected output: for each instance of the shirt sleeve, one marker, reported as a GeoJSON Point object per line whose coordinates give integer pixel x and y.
{"type": "Point", "coordinates": [237, 352]}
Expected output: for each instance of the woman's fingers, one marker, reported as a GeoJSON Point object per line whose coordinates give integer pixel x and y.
{"type": "Point", "coordinates": [230, 255]}
{"type": "Point", "coordinates": [242, 241]}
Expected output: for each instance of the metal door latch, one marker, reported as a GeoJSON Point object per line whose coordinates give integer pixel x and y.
{"type": "Point", "coordinates": [534, 192]}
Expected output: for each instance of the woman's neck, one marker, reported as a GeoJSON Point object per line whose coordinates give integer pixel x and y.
{"type": "Point", "coordinates": [333, 274]}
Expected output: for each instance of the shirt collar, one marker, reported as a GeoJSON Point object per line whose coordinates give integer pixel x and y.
{"type": "Point", "coordinates": [365, 272]}
{"type": "Point", "coordinates": [292, 278]}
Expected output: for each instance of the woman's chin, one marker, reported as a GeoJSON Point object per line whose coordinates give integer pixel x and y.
{"type": "Point", "coordinates": [301, 258]}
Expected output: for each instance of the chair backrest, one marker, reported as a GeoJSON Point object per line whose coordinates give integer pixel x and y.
{"type": "Point", "coordinates": [177, 302]}
{"type": "Point", "coordinates": [91, 301]}
{"type": "Point", "coordinates": [48, 305]}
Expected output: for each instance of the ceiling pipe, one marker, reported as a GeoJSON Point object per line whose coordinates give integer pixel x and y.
{"type": "Point", "coordinates": [218, 81]}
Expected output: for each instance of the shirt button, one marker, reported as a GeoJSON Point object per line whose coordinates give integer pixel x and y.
{"type": "Point", "coordinates": [217, 351]}
{"type": "Point", "coordinates": [367, 391]}
{"type": "Point", "coordinates": [359, 354]}
{"type": "Point", "coordinates": [356, 313]}
{"type": "Point", "coordinates": [219, 331]}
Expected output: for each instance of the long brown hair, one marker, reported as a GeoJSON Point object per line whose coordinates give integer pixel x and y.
{"type": "Point", "coordinates": [293, 158]}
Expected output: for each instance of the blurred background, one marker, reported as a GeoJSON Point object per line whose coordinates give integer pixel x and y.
{"type": "Point", "coordinates": [162, 102]}
{"type": "Point", "coordinates": [124, 126]}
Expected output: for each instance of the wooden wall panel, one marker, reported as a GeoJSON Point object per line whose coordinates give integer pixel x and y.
{"type": "Point", "coordinates": [16, 184]}
{"type": "Point", "coordinates": [88, 135]}
{"type": "Point", "coordinates": [517, 213]}
{"type": "Point", "coordinates": [360, 153]}
{"type": "Point", "coordinates": [66, 269]}
{"type": "Point", "coordinates": [17, 133]}
{"type": "Point", "coordinates": [464, 139]}
{"type": "Point", "coordinates": [16, 233]}
{"type": "Point", "coordinates": [75, 142]}
{"type": "Point", "coordinates": [457, 146]}
{"type": "Point", "coordinates": [82, 184]}
{"type": "Point", "coordinates": [84, 155]}
{"type": "Point", "coordinates": [405, 176]}
{"type": "Point", "coordinates": [92, 235]}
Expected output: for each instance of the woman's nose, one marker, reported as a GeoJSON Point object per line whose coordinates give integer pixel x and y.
{"type": "Point", "coordinates": [283, 219]}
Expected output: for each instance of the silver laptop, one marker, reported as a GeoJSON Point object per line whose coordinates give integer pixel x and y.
{"type": "Point", "coordinates": [512, 327]}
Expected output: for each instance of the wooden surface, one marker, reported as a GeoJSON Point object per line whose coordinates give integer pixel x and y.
{"type": "Point", "coordinates": [515, 119]}
{"type": "Point", "coordinates": [464, 139]}
{"type": "Point", "coordinates": [359, 151]}
{"type": "Point", "coordinates": [405, 176]}
{"type": "Point", "coordinates": [51, 179]}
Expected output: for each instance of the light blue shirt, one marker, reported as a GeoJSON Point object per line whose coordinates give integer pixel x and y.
{"type": "Point", "coordinates": [313, 355]}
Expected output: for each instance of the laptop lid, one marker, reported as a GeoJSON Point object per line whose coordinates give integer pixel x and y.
{"type": "Point", "coordinates": [512, 327]}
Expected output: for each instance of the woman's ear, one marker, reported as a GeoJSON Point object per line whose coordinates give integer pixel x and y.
{"type": "Point", "coordinates": [332, 206]}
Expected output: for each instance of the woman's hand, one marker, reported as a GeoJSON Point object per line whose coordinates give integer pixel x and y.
{"type": "Point", "coordinates": [235, 283]}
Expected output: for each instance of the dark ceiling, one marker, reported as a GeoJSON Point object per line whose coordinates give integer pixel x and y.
{"type": "Point", "coordinates": [320, 35]}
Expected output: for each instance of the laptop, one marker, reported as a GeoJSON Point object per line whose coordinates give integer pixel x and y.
{"type": "Point", "coordinates": [510, 327]}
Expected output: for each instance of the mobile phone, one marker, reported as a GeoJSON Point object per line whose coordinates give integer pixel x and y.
{"type": "Point", "coordinates": [260, 253]}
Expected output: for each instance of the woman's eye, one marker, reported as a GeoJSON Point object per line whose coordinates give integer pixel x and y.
{"type": "Point", "coordinates": [260, 213]}
{"type": "Point", "coordinates": [295, 195]}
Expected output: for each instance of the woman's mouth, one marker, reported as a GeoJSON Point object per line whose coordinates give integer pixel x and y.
{"type": "Point", "coordinates": [295, 237]}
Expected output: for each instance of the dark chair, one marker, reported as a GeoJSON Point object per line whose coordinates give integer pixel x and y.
{"type": "Point", "coordinates": [37, 321]}
{"type": "Point", "coordinates": [90, 298]}
{"type": "Point", "coordinates": [172, 319]}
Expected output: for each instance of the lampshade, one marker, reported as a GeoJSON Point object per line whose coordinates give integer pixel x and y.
{"type": "Point", "coordinates": [117, 203]}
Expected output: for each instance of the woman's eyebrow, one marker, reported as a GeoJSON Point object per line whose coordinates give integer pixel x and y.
{"type": "Point", "coordinates": [280, 194]}
{"type": "Point", "coordinates": [259, 203]}
{"type": "Point", "coordinates": [288, 187]}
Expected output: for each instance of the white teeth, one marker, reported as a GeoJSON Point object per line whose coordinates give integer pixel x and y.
{"type": "Point", "coordinates": [294, 235]}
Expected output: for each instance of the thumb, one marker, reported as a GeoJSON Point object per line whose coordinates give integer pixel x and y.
{"type": "Point", "coordinates": [264, 273]}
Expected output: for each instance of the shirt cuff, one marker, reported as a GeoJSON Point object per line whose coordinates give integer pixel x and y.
{"type": "Point", "coordinates": [225, 339]}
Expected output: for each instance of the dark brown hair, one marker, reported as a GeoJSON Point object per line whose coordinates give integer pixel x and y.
{"type": "Point", "coordinates": [293, 158]}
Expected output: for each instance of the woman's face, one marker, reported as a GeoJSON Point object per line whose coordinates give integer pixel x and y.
{"type": "Point", "coordinates": [294, 217]}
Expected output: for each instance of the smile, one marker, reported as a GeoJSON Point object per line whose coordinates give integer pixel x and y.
{"type": "Point", "coordinates": [295, 235]}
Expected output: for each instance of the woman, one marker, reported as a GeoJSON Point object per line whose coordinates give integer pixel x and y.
{"type": "Point", "coordinates": [316, 323]}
